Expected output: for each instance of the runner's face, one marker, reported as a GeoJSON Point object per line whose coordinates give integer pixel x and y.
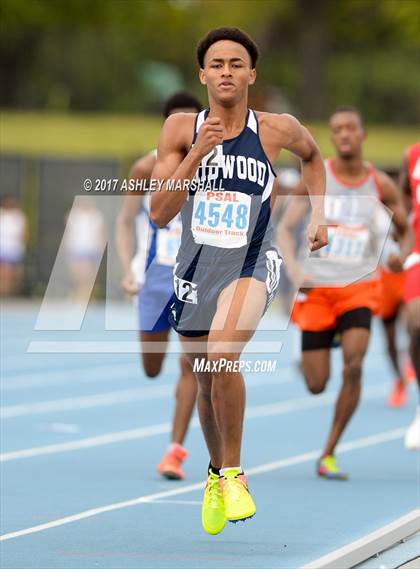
{"type": "Point", "coordinates": [347, 134]}
{"type": "Point", "coordinates": [227, 72]}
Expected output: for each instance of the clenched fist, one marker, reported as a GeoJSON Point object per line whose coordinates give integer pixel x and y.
{"type": "Point", "coordinates": [129, 284]}
{"type": "Point", "coordinates": [317, 234]}
{"type": "Point", "coordinates": [210, 134]}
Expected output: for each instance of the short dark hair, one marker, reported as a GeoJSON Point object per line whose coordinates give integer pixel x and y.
{"type": "Point", "coordinates": [232, 34]}
{"type": "Point", "coordinates": [348, 109]}
{"type": "Point", "coordinates": [180, 100]}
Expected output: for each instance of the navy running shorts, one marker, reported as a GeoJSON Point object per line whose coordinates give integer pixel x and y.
{"type": "Point", "coordinates": [198, 286]}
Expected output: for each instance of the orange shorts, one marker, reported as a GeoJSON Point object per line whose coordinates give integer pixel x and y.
{"type": "Point", "coordinates": [391, 293]}
{"type": "Point", "coordinates": [320, 308]}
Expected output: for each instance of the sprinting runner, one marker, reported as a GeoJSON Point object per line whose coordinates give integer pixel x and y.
{"type": "Point", "coordinates": [151, 280]}
{"type": "Point", "coordinates": [222, 159]}
{"type": "Point", "coordinates": [410, 183]}
{"type": "Point", "coordinates": [323, 311]}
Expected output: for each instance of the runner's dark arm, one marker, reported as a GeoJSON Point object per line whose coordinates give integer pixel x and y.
{"type": "Point", "coordinates": [124, 228]}
{"type": "Point", "coordinates": [174, 162]}
{"type": "Point", "coordinates": [292, 136]}
{"type": "Point", "coordinates": [296, 209]}
{"type": "Point", "coordinates": [391, 197]}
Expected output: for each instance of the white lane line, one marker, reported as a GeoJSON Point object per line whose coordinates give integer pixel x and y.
{"type": "Point", "coordinates": [117, 347]}
{"type": "Point", "coordinates": [363, 442]}
{"type": "Point", "coordinates": [90, 442]}
{"type": "Point", "coordinates": [86, 374]}
{"type": "Point", "coordinates": [113, 398]}
{"type": "Point", "coordinates": [182, 502]}
{"type": "Point", "coordinates": [252, 412]}
{"type": "Point", "coordinates": [88, 401]}
{"type": "Point", "coordinates": [354, 553]}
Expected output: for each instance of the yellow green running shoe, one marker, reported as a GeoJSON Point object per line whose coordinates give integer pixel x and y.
{"type": "Point", "coordinates": [327, 468]}
{"type": "Point", "coordinates": [213, 516]}
{"type": "Point", "coordinates": [238, 501]}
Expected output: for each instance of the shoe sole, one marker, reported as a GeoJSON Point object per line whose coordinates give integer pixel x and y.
{"type": "Point", "coordinates": [327, 477]}
{"type": "Point", "coordinates": [169, 475]}
{"type": "Point", "coordinates": [233, 521]}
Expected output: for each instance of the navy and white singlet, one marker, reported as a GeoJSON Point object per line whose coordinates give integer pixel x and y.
{"type": "Point", "coordinates": [226, 229]}
{"type": "Point", "coordinates": [233, 209]}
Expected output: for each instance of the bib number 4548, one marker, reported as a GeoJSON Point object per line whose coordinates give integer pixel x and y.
{"type": "Point", "coordinates": [222, 214]}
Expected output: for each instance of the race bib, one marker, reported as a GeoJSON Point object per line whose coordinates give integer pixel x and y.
{"type": "Point", "coordinates": [221, 219]}
{"type": "Point", "coordinates": [168, 241]}
{"type": "Point", "coordinates": [346, 243]}
{"type": "Point", "coordinates": [185, 290]}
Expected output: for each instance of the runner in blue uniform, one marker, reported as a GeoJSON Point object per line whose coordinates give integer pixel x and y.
{"type": "Point", "coordinates": [217, 172]}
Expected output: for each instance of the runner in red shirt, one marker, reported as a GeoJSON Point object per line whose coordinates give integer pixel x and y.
{"type": "Point", "coordinates": [410, 183]}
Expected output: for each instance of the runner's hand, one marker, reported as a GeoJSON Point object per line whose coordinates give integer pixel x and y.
{"type": "Point", "coordinates": [316, 234]}
{"type": "Point", "coordinates": [210, 134]}
{"type": "Point", "coordinates": [395, 263]}
{"type": "Point", "coordinates": [129, 284]}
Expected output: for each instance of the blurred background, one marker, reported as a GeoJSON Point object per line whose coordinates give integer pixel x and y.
{"type": "Point", "coordinates": [83, 84]}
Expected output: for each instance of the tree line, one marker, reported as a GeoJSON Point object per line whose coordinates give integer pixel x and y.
{"type": "Point", "coordinates": [127, 55]}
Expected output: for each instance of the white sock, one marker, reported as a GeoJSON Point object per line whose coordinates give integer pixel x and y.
{"type": "Point", "coordinates": [223, 470]}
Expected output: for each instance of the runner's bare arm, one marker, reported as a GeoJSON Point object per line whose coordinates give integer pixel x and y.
{"type": "Point", "coordinates": [177, 161]}
{"type": "Point", "coordinates": [296, 209]}
{"type": "Point", "coordinates": [276, 198]}
{"type": "Point", "coordinates": [143, 167]}
{"type": "Point", "coordinates": [391, 197]}
{"type": "Point", "coordinates": [288, 133]}
{"type": "Point", "coordinates": [124, 229]}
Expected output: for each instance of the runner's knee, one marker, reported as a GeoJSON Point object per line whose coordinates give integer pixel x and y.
{"type": "Point", "coordinates": [186, 364]}
{"type": "Point", "coordinates": [414, 324]}
{"type": "Point", "coordinates": [222, 351]}
{"type": "Point", "coordinates": [152, 367]}
{"type": "Point", "coordinates": [316, 376]}
{"type": "Point", "coordinates": [353, 370]}
{"type": "Point", "coordinates": [223, 362]}
{"type": "Point", "coordinates": [187, 382]}
{"type": "Point", "coordinates": [316, 382]}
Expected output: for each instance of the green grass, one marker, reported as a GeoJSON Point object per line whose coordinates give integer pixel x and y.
{"type": "Point", "coordinates": [87, 135]}
{"type": "Point", "coordinates": [126, 136]}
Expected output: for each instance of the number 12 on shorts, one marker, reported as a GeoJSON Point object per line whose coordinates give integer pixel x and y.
{"type": "Point", "coordinates": [185, 291]}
